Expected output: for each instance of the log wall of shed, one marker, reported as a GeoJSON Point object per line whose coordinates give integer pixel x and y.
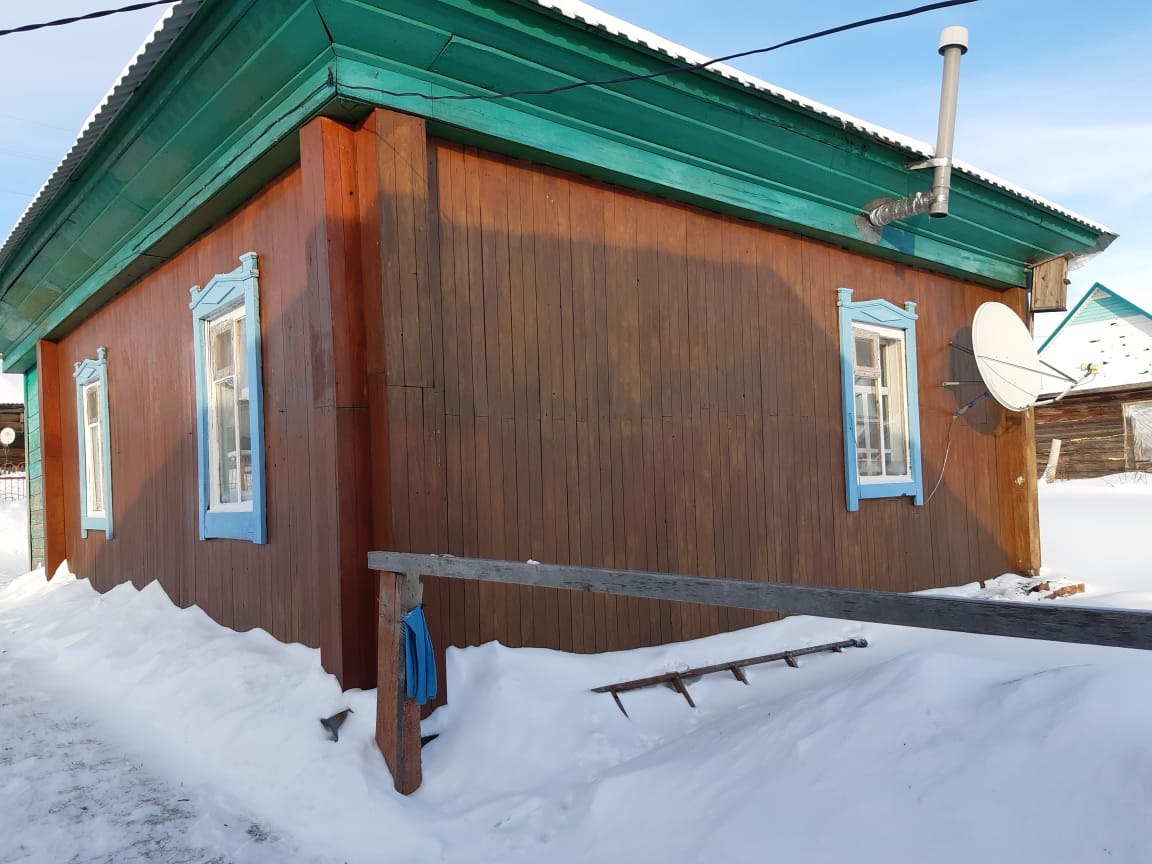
{"type": "Point", "coordinates": [1090, 427]}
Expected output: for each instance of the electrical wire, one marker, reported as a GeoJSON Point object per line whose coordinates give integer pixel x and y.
{"type": "Point", "coordinates": [944, 464]}
{"type": "Point", "coordinates": [672, 70]}
{"type": "Point", "coordinates": [103, 13]}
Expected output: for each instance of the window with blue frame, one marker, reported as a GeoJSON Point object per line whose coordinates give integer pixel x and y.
{"type": "Point", "coordinates": [229, 404]}
{"type": "Point", "coordinates": [92, 436]}
{"type": "Point", "coordinates": [881, 404]}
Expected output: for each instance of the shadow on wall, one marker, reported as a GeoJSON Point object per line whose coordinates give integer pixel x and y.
{"type": "Point", "coordinates": [574, 373]}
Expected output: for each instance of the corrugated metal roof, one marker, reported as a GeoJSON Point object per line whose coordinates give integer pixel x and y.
{"type": "Point", "coordinates": [589, 15]}
{"type": "Point", "coordinates": [176, 19]}
{"type": "Point", "coordinates": [153, 49]}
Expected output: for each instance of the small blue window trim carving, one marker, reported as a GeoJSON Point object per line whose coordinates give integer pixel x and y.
{"type": "Point", "coordinates": [223, 295]}
{"type": "Point", "coordinates": [90, 372]}
{"type": "Point", "coordinates": [879, 313]}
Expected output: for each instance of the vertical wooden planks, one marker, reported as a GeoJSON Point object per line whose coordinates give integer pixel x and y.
{"type": "Point", "coordinates": [49, 378]}
{"type": "Point", "coordinates": [610, 379]}
{"type": "Point", "coordinates": [340, 417]}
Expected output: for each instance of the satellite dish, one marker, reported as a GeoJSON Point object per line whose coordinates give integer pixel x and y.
{"type": "Point", "coordinates": [1006, 356]}
{"type": "Point", "coordinates": [7, 435]}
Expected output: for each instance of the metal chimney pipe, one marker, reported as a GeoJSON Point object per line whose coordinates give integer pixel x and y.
{"type": "Point", "coordinates": [953, 45]}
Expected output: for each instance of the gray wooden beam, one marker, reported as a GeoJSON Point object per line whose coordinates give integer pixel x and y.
{"type": "Point", "coordinates": [1119, 628]}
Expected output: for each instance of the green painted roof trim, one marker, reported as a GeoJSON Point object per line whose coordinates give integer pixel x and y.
{"type": "Point", "coordinates": [1089, 309]}
{"type": "Point", "coordinates": [216, 117]}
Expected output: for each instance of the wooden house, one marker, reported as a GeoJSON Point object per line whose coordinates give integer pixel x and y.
{"type": "Point", "coordinates": [315, 281]}
{"type": "Point", "coordinates": [1104, 425]}
{"type": "Point", "coordinates": [12, 454]}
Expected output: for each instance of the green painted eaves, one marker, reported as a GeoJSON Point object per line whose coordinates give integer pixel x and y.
{"type": "Point", "coordinates": [217, 117]}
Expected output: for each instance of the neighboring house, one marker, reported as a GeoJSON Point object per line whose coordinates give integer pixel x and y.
{"type": "Point", "coordinates": [12, 456]}
{"type": "Point", "coordinates": [13, 483]}
{"type": "Point", "coordinates": [275, 310]}
{"type": "Point", "coordinates": [1104, 426]}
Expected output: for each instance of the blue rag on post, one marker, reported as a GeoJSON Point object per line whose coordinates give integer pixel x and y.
{"type": "Point", "coordinates": [419, 658]}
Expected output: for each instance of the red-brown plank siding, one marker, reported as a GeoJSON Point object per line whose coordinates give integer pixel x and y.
{"type": "Point", "coordinates": [471, 354]}
{"type": "Point", "coordinates": [279, 586]}
{"type": "Point", "coordinates": [626, 381]}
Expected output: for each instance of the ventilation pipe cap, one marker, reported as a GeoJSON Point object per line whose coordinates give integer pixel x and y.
{"type": "Point", "coordinates": [954, 37]}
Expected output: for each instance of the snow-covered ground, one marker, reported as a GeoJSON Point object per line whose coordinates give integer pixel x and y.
{"type": "Point", "coordinates": [134, 731]}
{"type": "Point", "coordinates": [13, 540]}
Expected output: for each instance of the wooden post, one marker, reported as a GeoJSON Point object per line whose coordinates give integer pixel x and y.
{"type": "Point", "coordinates": [339, 421]}
{"type": "Point", "coordinates": [51, 455]}
{"type": "Point", "coordinates": [1053, 459]}
{"type": "Point", "coordinates": [397, 716]}
{"type": "Point", "coordinates": [1017, 474]}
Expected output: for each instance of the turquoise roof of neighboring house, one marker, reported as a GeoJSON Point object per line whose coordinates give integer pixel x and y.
{"type": "Point", "coordinates": [1100, 303]}
{"type": "Point", "coordinates": [208, 112]}
{"type": "Point", "coordinates": [1106, 331]}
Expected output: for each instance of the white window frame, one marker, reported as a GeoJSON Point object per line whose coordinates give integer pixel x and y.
{"type": "Point", "coordinates": [229, 296]}
{"type": "Point", "coordinates": [215, 502]}
{"type": "Point", "coordinates": [897, 368]}
{"type": "Point", "coordinates": [891, 321]}
{"type": "Point", "coordinates": [91, 374]}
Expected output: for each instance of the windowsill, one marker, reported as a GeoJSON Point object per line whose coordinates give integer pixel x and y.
{"type": "Point", "coordinates": [245, 507]}
{"type": "Point", "coordinates": [884, 481]}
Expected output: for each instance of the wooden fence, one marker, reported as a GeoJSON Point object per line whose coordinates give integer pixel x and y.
{"type": "Point", "coordinates": [398, 718]}
{"type": "Point", "coordinates": [13, 487]}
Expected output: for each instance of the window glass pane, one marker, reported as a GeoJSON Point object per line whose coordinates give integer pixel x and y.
{"type": "Point", "coordinates": [244, 456]}
{"type": "Point", "coordinates": [94, 467]}
{"type": "Point", "coordinates": [241, 358]}
{"type": "Point", "coordinates": [93, 450]}
{"type": "Point", "coordinates": [224, 417]}
{"type": "Point", "coordinates": [230, 452]}
{"type": "Point", "coordinates": [220, 340]}
{"type": "Point", "coordinates": [865, 353]}
{"type": "Point", "coordinates": [895, 408]}
{"type": "Point", "coordinates": [867, 430]}
{"type": "Point", "coordinates": [92, 402]}
{"type": "Point", "coordinates": [881, 404]}
{"type": "Point", "coordinates": [1138, 427]}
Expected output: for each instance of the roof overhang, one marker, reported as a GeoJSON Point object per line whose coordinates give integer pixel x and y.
{"type": "Point", "coordinates": [208, 113]}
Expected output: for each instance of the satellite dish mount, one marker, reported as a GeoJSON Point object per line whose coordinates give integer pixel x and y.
{"type": "Point", "coordinates": [1006, 357]}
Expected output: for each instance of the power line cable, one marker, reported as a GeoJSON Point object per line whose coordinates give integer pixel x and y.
{"type": "Point", "coordinates": [103, 13]}
{"type": "Point", "coordinates": [7, 116]}
{"type": "Point", "coordinates": [672, 70]}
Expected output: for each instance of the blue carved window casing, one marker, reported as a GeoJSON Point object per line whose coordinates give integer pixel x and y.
{"type": "Point", "coordinates": [230, 405]}
{"type": "Point", "coordinates": [880, 399]}
{"type": "Point", "coordinates": [93, 436]}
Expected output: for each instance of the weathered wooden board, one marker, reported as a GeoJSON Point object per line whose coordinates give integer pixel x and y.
{"type": "Point", "coordinates": [1090, 426]}
{"type": "Point", "coordinates": [1050, 286]}
{"type": "Point", "coordinates": [1118, 628]}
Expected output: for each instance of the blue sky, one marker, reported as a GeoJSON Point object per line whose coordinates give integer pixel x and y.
{"type": "Point", "coordinates": [1054, 93]}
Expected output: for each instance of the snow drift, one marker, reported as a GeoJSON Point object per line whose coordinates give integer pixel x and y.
{"type": "Point", "coordinates": [923, 746]}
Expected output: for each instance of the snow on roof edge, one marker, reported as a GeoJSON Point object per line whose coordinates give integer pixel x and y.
{"type": "Point", "coordinates": [576, 10]}
{"type": "Point", "coordinates": [173, 22]}
{"type": "Point", "coordinates": [147, 56]}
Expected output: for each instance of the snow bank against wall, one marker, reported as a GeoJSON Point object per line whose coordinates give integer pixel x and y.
{"type": "Point", "coordinates": [925, 746]}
